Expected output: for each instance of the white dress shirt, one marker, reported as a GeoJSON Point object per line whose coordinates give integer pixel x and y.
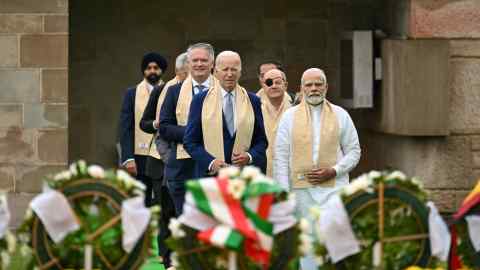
{"type": "Point", "coordinates": [206, 85]}
{"type": "Point", "coordinates": [348, 153]}
{"type": "Point", "coordinates": [149, 87]}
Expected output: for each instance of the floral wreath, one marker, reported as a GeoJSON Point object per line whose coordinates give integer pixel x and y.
{"type": "Point", "coordinates": [238, 220]}
{"type": "Point", "coordinates": [96, 197]}
{"type": "Point", "coordinates": [7, 248]}
{"type": "Point", "coordinates": [388, 216]}
{"type": "Point", "coordinates": [465, 252]}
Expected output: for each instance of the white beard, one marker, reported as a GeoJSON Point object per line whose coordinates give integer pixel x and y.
{"type": "Point", "coordinates": [315, 100]}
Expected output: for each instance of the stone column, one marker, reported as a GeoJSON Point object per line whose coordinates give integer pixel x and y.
{"type": "Point", "coordinates": [33, 96]}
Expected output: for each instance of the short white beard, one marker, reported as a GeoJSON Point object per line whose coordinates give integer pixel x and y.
{"type": "Point", "coordinates": [315, 100]}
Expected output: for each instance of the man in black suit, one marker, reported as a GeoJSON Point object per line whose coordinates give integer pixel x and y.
{"type": "Point", "coordinates": [156, 161]}
{"type": "Point", "coordinates": [174, 116]}
{"type": "Point", "coordinates": [134, 143]}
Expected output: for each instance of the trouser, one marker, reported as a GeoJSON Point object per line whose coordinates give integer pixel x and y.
{"type": "Point", "coordinates": [162, 197]}
{"type": "Point", "coordinates": [147, 181]}
{"type": "Point", "coordinates": [155, 169]}
{"type": "Point", "coordinates": [177, 191]}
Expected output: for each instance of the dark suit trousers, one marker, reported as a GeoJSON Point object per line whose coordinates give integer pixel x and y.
{"type": "Point", "coordinates": [177, 190]}
{"type": "Point", "coordinates": [161, 196]}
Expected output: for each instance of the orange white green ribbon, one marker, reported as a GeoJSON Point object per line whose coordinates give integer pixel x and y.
{"type": "Point", "coordinates": [235, 224]}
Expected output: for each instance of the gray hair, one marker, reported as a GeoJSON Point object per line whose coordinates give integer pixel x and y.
{"type": "Point", "coordinates": [228, 53]}
{"type": "Point", "coordinates": [310, 70]}
{"type": "Point", "coordinates": [201, 45]}
{"type": "Point", "coordinates": [181, 61]}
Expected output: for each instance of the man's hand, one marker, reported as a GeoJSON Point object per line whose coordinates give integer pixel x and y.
{"type": "Point", "coordinates": [319, 176]}
{"type": "Point", "coordinates": [240, 159]}
{"type": "Point", "coordinates": [155, 124]}
{"type": "Point", "coordinates": [131, 167]}
{"type": "Point", "coordinates": [217, 165]}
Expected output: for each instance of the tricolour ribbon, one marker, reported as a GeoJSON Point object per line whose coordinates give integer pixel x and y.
{"type": "Point", "coordinates": [236, 224]}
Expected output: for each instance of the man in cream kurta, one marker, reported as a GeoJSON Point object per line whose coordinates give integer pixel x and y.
{"type": "Point", "coordinates": [314, 161]}
{"type": "Point", "coordinates": [274, 103]}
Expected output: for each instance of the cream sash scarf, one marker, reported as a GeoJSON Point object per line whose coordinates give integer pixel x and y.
{"type": "Point", "coordinates": [271, 117]}
{"type": "Point", "coordinates": [302, 142]}
{"type": "Point", "coordinates": [153, 147]}
{"type": "Point", "coordinates": [212, 124]}
{"type": "Point", "coordinates": [162, 96]}
{"type": "Point", "coordinates": [183, 108]}
{"type": "Point", "coordinates": [142, 140]}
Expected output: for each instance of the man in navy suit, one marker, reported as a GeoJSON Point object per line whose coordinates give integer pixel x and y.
{"type": "Point", "coordinates": [174, 116]}
{"type": "Point", "coordinates": [134, 143]}
{"type": "Point", "coordinates": [232, 109]}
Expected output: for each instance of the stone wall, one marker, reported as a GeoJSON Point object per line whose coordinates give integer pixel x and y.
{"type": "Point", "coordinates": [33, 96]}
{"type": "Point", "coordinates": [107, 39]}
{"type": "Point", "coordinates": [449, 166]}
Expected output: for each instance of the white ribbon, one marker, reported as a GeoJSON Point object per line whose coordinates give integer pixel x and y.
{"type": "Point", "coordinates": [438, 233]}
{"type": "Point", "coordinates": [473, 223]}
{"type": "Point", "coordinates": [281, 215]}
{"type": "Point", "coordinates": [4, 215]}
{"type": "Point", "coordinates": [56, 215]}
{"type": "Point", "coordinates": [334, 225]}
{"type": "Point", "coordinates": [135, 220]}
{"type": "Point", "coordinates": [192, 217]}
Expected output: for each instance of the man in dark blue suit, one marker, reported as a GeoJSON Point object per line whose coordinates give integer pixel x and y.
{"type": "Point", "coordinates": [225, 125]}
{"type": "Point", "coordinates": [134, 143]}
{"type": "Point", "coordinates": [174, 116]}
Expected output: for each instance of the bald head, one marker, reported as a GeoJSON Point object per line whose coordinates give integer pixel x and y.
{"type": "Point", "coordinates": [228, 67]}
{"type": "Point", "coordinates": [275, 85]}
{"type": "Point", "coordinates": [314, 74]}
{"type": "Point", "coordinates": [275, 73]}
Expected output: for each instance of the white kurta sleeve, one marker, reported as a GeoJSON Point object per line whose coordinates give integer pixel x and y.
{"type": "Point", "coordinates": [349, 144]}
{"type": "Point", "coordinates": [281, 155]}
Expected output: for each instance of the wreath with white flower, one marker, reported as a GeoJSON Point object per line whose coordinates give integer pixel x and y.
{"type": "Point", "coordinates": [238, 220]}
{"type": "Point", "coordinates": [7, 248]}
{"type": "Point", "coordinates": [96, 198]}
{"type": "Point", "coordinates": [389, 218]}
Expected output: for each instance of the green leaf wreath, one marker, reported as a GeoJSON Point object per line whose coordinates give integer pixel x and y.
{"type": "Point", "coordinates": [405, 223]}
{"type": "Point", "coordinates": [95, 196]}
{"type": "Point", "coordinates": [470, 259]}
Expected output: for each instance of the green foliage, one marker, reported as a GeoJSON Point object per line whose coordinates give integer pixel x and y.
{"type": "Point", "coordinates": [95, 202]}
{"type": "Point", "coordinates": [404, 214]}
{"type": "Point", "coordinates": [465, 249]}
